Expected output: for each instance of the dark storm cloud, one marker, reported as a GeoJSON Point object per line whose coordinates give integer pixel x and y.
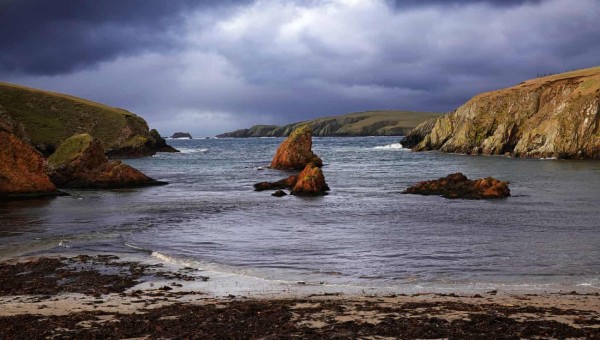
{"type": "Point", "coordinates": [210, 69]}
{"type": "Point", "coordinates": [54, 37]}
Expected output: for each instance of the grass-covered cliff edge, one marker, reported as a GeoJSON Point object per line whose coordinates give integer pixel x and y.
{"type": "Point", "coordinates": [49, 118]}
{"type": "Point", "coordinates": [369, 123]}
{"type": "Point", "coordinates": [555, 116]}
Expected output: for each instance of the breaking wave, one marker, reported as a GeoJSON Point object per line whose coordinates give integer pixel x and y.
{"type": "Point", "coordinates": [395, 146]}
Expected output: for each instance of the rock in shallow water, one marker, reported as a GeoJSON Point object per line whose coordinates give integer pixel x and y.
{"type": "Point", "coordinates": [311, 182]}
{"type": "Point", "coordinates": [279, 193]}
{"type": "Point", "coordinates": [296, 151]}
{"type": "Point", "coordinates": [458, 186]}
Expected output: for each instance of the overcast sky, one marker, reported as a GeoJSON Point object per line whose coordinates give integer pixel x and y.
{"type": "Point", "coordinates": [213, 66]}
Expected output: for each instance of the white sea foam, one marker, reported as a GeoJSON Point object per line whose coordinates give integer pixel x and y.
{"type": "Point", "coordinates": [186, 150]}
{"type": "Point", "coordinates": [395, 146]}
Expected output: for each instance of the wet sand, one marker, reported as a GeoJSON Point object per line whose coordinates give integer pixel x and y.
{"type": "Point", "coordinates": [106, 297]}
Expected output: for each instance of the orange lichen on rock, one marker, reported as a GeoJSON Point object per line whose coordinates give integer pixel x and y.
{"type": "Point", "coordinates": [21, 169]}
{"type": "Point", "coordinates": [296, 151]}
{"type": "Point", "coordinates": [80, 162]}
{"type": "Point", "coordinates": [311, 182]}
{"type": "Point", "coordinates": [458, 186]}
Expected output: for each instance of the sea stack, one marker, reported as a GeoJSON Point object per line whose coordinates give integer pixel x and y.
{"type": "Point", "coordinates": [295, 152]}
{"type": "Point", "coordinates": [80, 162]}
{"type": "Point", "coordinates": [459, 186]}
{"type": "Point", "coordinates": [550, 117]}
{"type": "Point", "coordinates": [311, 182]}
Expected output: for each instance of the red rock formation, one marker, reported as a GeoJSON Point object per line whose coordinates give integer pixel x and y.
{"type": "Point", "coordinates": [458, 186]}
{"type": "Point", "coordinates": [21, 167]}
{"type": "Point", "coordinates": [296, 151]}
{"type": "Point", "coordinates": [80, 162]}
{"type": "Point", "coordinates": [311, 182]}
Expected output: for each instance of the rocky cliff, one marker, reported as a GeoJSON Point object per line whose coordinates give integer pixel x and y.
{"type": "Point", "coordinates": [556, 116]}
{"type": "Point", "coordinates": [21, 166]}
{"type": "Point", "coordinates": [371, 123]}
{"type": "Point", "coordinates": [49, 118]}
{"type": "Point", "coordinates": [80, 162]}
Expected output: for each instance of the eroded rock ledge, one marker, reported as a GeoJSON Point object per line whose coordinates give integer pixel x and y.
{"type": "Point", "coordinates": [459, 186]}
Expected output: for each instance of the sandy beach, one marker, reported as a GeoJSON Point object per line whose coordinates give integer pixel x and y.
{"type": "Point", "coordinates": [103, 296]}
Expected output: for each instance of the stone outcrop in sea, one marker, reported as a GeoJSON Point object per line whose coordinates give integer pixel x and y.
{"type": "Point", "coordinates": [459, 186]}
{"type": "Point", "coordinates": [550, 117]}
{"type": "Point", "coordinates": [22, 172]}
{"type": "Point", "coordinates": [311, 182]}
{"type": "Point", "coordinates": [80, 162]}
{"type": "Point", "coordinates": [296, 151]}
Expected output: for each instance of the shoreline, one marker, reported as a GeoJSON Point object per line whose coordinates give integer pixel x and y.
{"type": "Point", "coordinates": [104, 295]}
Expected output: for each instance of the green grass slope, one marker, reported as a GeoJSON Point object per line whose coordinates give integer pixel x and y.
{"type": "Point", "coordinates": [368, 123]}
{"type": "Point", "coordinates": [49, 118]}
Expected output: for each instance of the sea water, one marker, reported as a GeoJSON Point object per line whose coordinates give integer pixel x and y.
{"type": "Point", "coordinates": [364, 233]}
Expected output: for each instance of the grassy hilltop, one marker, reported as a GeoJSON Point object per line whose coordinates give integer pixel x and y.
{"type": "Point", "coordinates": [49, 118]}
{"type": "Point", "coordinates": [368, 123]}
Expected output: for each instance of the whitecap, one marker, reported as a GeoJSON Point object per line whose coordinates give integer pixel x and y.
{"type": "Point", "coordinates": [185, 150]}
{"type": "Point", "coordinates": [395, 146]}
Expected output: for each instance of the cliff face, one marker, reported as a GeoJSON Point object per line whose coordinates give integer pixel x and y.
{"type": "Point", "coordinates": [21, 166]}
{"type": "Point", "coordinates": [80, 162]}
{"type": "Point", "coordinates": [371, 123]}
{"type": "Point", "coordinates": [556, 116]}
{"type": "Point", "coordinates": [49, 118]}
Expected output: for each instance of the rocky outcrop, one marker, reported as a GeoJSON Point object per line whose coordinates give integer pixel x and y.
{"type": "Point", "coordinates": [286, 183]}
{"type": "Point", "coordinates": [370, 123]}
{"type": "Point", "coordinates": [182, 135]}
{"type": "Point", "coordinates": [311, 182]}
{"type": "Point", "coordinates": [80, 162]}
{"type": "Point", "coordinates": [21, 166]}
{"type": "Point", "coordinates": [296, 151]}
{"type": "Point", "coordinates": [458, 186]}
{"type": "Point", "coordinates": [49, 118]}
{"type": "Point", "coordinates": [556, 116]}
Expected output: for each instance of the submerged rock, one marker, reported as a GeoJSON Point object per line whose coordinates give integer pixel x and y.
{"type": "Point", "coordinates": [286, 183]}
{"type": "Point", "coordinates": [80, 162]}
{"type": "Point", "coordinates": [556, 116]}
{"type": "Point", "coordinates": [458, 186]}
{"type": "Point", "coordinates": [296, 151]}
{"type": "Point", "coordinates": [279, 193]}
{"type": "Point", "coordinates": [311, 182]}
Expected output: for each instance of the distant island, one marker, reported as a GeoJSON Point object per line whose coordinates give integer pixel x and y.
{"type": "Point", "coordinates": [181, 135]}
{"type": "Point", "coordinates": [557, 116]}
{"type": "Point", "coordinates": [368, 123]}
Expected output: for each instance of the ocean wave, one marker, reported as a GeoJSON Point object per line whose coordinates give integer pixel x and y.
{"type": "Point", "coordinates": [394, 146]}
{"type": "Point", "coordinates": [186, 150]}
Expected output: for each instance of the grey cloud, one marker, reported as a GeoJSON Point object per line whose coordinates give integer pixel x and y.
{"type": "Point", "coordinates": [279, 61]}
{"type": "Point", "coordinates": [60, 36]}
